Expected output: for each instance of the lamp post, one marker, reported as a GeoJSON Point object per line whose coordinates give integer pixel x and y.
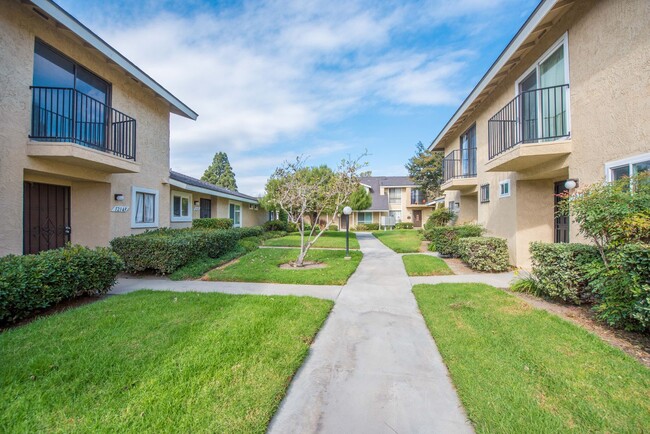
{"type": "Point", "coordinates": [347, 211]}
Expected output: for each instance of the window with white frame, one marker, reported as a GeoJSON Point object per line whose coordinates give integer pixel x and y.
{"type": "Point", "coordinates": [485, 193]}
{"type": "Point", "coordinates": [181, 205]}
{"type": "Point", "coordinates": [397, 215]}
{"type": "Point", "coordinates": [364, 217]}
{"type": "Point", "coordinates": [627, 167]}
{"type": "Point", "coordinates": [144, 207]}
{"type": "Point", "coordinates": [235, 215]}
{"type": "Point", "coordinates": [395, 195]}
{"type": "Point", "coordinates": [504, 188]}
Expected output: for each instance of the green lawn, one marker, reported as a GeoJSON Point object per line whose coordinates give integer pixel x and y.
{"type": "Point", "coordinates": [328, 240]}
{"type": "Point", "coordinates": [156, 362]}
{"type": "Point", "coordinates": [262, 265]}
{"type": "Point", "coordinates": [198, 267]}
{"type": "Point", "coordinates": [425, 265]}
{"type": "Point", "coordinates": [401, 240]}
{"type": "Point", "coordinates": [519, 369]}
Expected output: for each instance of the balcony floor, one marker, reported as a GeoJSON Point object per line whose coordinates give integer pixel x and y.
{"type": "Point", "coordinates": [77, 155]}
{"type": "Point", "coordinates": [464, 185]}
{"type": "Point", "coordinates": [527, 155]}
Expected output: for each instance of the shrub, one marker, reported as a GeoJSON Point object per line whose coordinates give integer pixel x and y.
{"type": "Point", "coordinates": [488, 254]}
{"type": "Point", "coordinates": [561, 269]}
{"type": "Point", "coordinates": [32, 282]}
{"type": "Point", "coordinates": [439, 217]}
{"type": "Point", "coordinates": [212, 223]}
{"type": "Point", "coordinates": [250, 243]}
{"type": "Point", "coordinates": [404, 225]}
{"type": "Point", "coordinates": [444, 239]}
{"type": "Point", "coordinates": [333, 228]}
{"type": "Point", "coordinates": [275, 225]}
{"type": "Point", "coordinates": [292, 227]}
{"type": "Point", "coordinates": [622, 290]}
{"type": "Point", "coordinates": [253, 231]}
{"type": "Point", "coordinates": [273, 234]}
{"type": "Point", "coordinates": [367, 227]}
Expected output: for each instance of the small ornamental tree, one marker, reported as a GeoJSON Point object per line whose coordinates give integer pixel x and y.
{"type": "Point", "coordinates": [317, 192]}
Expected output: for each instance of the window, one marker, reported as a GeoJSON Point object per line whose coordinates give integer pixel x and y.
{"type": "Point", "coordinates": [485, 193]}
{"type": "Point", "coordinates": [395, 195]}
{"type": "Point", "coordinates": [628, 167]}
{"type": "Point", "coordinates": [504, 188]}
{"type": "Point", "coordinates": [468, 152]}
{"type": "Point", "coordinates": [181, 207]}
{"type": "Point", "coordinates": [397, 215]}
{"type": "Point", "coordinates": [144, 209]}
{"type": "Point", "coordinates": [418, 197]}
{"type": "Point", "coordinates": [235, 215]}
{"type": "Point", "coordinates": [364, 217]}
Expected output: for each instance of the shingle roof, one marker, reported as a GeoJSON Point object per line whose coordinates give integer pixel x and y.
{"type": "Point", "coordinates": [202, 184]}
{"type": "Point", "coordinates": [379, 201]}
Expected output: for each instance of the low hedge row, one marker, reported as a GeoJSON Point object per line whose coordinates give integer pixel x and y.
{"type": "Point", "coordinates": [404, 225]}
{"type": "Point", "coordinates": [275, 225]}
{"type": "Point", "coordinates": [333, 228]}
{"type": "Point", "coordinates": [439, 217]}
{"type": "Point", "coordinates": [254, 231]}
{"type": "Point", "coordinates": [32, 282]}
{"type": "Point", "coordinates": [212, 223]}
{"type": "Point", "coordinates": [367, 227]}
{"type": "Point", "coordinates": [487, 254]}
{"type": "Point", "coordinates": [444, 239]}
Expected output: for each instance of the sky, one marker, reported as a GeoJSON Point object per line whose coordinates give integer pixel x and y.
{"type": "Point", "coordinates": [321, 79]}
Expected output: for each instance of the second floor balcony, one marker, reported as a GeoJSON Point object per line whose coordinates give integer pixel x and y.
{"type": "Point", "coordinates": [459, 170]}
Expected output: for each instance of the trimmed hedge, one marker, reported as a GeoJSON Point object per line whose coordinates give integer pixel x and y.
{"type": "Point", "coordinates": [488, 254]}
{"type": "Point", "coordinates": [253, 231]}
{"type": "Point", "coordinates": [403, 225]}
{"type": "Point", "coordinates": [333, 228]}
{"type": "Point", "coordinates": [32, 282]}
{"type": "Point", "coordinates": [561, 269]}
{"type": "Point", "coordinates": [444, 239]}
{"type": "Point", "coordinates": [367, 227]}
{"type": "Point", "coordinates": [164, 250]}
{"type": "Point", "coordinates": [250, 243]}
{"type": "Point", "coordinates": [275, 225]}
{"type": "Point", "coordinates": [439, 217]}
{"type": "Point", "coordinates": [212, 223]}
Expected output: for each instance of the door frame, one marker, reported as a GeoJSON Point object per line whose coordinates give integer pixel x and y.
{"type": "Point", "coordinates": [62, 223]}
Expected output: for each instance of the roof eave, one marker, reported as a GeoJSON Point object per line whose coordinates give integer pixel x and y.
{"type": "Point", "coordinates": [194, 188]}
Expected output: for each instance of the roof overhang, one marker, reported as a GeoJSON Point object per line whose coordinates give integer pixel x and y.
{"type": "Point", "coordinates": [547, 13]}
{"type": "Point", "coordinates": [66, 20]}
{"type": "Point", "coordinates": [207, 191]}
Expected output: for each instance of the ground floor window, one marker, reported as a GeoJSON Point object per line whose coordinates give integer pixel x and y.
{"type": "Point", "coordinates": [235, 215]}
{"type": "Point", "coordinates": [485, 193]}
{"type": "Point", "coordinates": [397, 215]}
{"type": "Point", "coordinates": [181, 207]}
{"type": "Point", "coordinates": [504, 188]}
{"type": "Point", "coordinates": [144, 212]}
{"type": "Point", "coordinates": [364, 217]}
{"type": "Point", "coordinates": [627, 167]}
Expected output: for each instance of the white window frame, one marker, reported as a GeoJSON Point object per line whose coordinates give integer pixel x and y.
{"type": "Point", "coordinates": [622, 162]}
{"type": "Point", "coordinates": [190, 207]}
{"type": "Point", "coordinates": [156, 193]}
{"type": "Point", "coordinates": [364, 212]}
{"type": "Point", "coordinates": [399, 201]}
{"type": "Point", "coordinates": [391, 213]}
{"type": "Point", "coordinates": [241, 214]}
{"type": "Point", "coordinates": [485, 198]}
{"type": "Point", "coordinates": [501, 184]}
{"type": "Point", "coordinates": [564, 40]}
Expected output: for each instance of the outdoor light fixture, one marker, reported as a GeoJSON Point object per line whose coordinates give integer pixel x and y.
{"type": "Point", "coordinates": [347, 211]}
{"type": "Point", "coordinates": [119, 197]}
{"type": "Point", "coordinates": [196, 203]}
{"type": "Point", "coordinates": [570, 184]}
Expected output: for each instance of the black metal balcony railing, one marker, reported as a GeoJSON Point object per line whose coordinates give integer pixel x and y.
{"type": "Point", "coordinates": [459, 164]}
{"type": "Point", "coordinates": [418, 197]}
{"type": "Point", "coordinates": [67, 115]}
{"type": "Point", "coordinates": [532, 116]}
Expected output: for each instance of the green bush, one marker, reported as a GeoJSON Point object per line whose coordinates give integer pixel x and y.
{"type": "Point", "coordinates": [292, 227]}
{"type": "Point", "coordinates": [622, 290]}
{"type": "Point", "coordinates": [32, 282]}
{"type": "Point", "coordinates": [444, 239]}
{"type": "Point", "coordinates": [250, 243]}
{"type": "Point", "coordinates": [333, 228]}
{"type": "Point", "coordinates": [439, 217]}
{"type": "Point", "coordinates": [275, 225]}
{"type": "Point", "coordinates": [253, 231]}
{"type": "Point", "coordinates": [485, 253]}
{"type": "Point", "coordinates": [212, 223]}
{"type": "Point", "coordinates": [274, 234]}
{"type": "Point", "coordinates": [367, 227]}
{"type": "Point", "coordinates": [561, 269]}
{"type": "Point", "coordinates": [404, 225]}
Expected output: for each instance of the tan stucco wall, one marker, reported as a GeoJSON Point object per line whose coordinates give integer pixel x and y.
{"type": "Point", "coordinates": [91, 190]}
{"type": "Point", "coordinates": [609, 74]}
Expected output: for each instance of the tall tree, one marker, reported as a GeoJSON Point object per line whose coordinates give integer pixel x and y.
{"type": "Point", "coordinates": [220, 172]}
{"type": "Point", "coordinates": [360, 199]}
{"type": "Point", "coordinates": [425, 168]}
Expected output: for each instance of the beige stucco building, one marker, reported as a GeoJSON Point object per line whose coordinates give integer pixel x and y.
{"type": "Point", "coordinates": [568, 99]}
{"type": "Point", "coordinates": [84, 135]}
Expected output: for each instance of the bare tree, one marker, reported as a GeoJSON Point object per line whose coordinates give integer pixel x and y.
{"type": "Point", "coordinates": [317, 192]}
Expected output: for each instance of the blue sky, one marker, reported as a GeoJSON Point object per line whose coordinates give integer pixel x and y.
{"type": "Point", "coordinates": [325, 79]}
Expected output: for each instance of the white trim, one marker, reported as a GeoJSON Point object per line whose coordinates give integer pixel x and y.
{"type": "Point", "coordinates": [241, 214]}
{"type": "Point", "coordinates": [622, 162]}
{"type": "Point", "coordinates": [207, 191]}
{"type": "Point", "coordinates": [506, 182]}
{"type": "Point", "coordinates": [190, 206]}
{"type": "Point", "coordinates": [64, 18]}
{"type": "Point", "coordinates": [156, 210]}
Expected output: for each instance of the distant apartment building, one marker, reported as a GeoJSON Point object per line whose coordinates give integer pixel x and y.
{"type": "Point", "coordinates": [567, 100]}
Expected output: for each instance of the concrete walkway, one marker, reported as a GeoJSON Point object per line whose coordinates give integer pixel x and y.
{"type": "Point", "coordinates": [374, 367]}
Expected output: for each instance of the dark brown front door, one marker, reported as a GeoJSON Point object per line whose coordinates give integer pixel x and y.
{"type": "Point", "coordinates": [417, 218]}
{"type": "Point", "coordinates": [206, 209]}
{"type": "Point", "coordinates": [561, 224]}
{"type": "Point", "coordinates": [46, 217]}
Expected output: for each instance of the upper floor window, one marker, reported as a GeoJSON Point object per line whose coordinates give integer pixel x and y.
{"type": "Point", "coordinates": [395, 195]}
{"type": "Point", "coordinates": [418, 197]}
{"type": "Point", "coordinates": [468, 152]}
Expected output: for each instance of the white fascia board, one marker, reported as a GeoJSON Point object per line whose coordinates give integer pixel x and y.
{"type": "Point", "coordinates": [83, 32]}
{"type": "Point", "coordinates": [210, 192]}
{"type": "Point", "coordinates": [533, 21]}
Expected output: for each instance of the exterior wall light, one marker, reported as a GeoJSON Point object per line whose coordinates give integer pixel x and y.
{"type": "Point", "coordinates": [196, 203]}
{"type": "Point", "coordinates": [119, 197]}
{"type": "Point", "coordinates": [570, 184]}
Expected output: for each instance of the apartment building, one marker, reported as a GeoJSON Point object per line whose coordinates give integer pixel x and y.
{"type": "Point", "coordinates": [392, 196]}
{"type": "Point", "coordinates": [566, 104]}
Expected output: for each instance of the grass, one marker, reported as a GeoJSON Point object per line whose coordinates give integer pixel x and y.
{"type": "Point", "coordinates": [401, 240]}
{"type": "Point", "coordinates": [425, 265]}
{"type": "Point", "coordinates": [519, 369]}
{"type": "Point", "coordinates": [328, 240]}
{"type": "Point", "coordinates": [262, 265]}
{"type": "Point", "coordinates": [156, 362]}
{"type": "Point", "coordinates": [198, 267]}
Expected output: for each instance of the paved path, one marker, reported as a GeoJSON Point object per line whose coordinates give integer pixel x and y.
{"type": "Point", "coordinates": [125, 285]}
{"type": "Point", "coordinates": [374, 367]}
